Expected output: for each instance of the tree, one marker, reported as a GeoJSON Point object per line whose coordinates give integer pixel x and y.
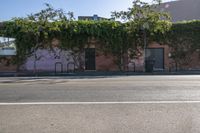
{"type": "Point", "coordinates": [143, 16]}
{"type": "Point", "coordinates": [35, 28]}
{"type": "Point", "coordinates": [49, 14]}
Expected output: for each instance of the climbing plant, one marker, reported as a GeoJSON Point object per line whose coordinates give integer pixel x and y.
{"type": "Point", "coordinates": [38, 30]}
{"type": "Point", "coordinates": [184, 40]}
{"type": "Point", "coordinates": [144, 17]}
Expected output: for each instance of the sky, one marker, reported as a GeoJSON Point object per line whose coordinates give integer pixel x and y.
{"type": "Point", "coordinates": [103, 8]}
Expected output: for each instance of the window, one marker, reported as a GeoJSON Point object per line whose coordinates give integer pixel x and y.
{"type": "Point", "coordinates": [7, 46]}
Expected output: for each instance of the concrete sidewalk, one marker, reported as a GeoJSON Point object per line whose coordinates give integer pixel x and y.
{"type": "Point", "coordinates": [108, 118]}
{"type": "Point", "coordinates": [95, 73]}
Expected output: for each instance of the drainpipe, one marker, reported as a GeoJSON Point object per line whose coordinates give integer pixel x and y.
{"type": "Point", "coordinates": [35, 56]}
{"type": "Point", "coordinates": [145, 27]}
{"type": "Point", "coordinates": [37, 44]}
{"type": "Point", "coordinates": [145, 45]}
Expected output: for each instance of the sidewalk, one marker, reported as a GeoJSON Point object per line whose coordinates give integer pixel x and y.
{"type": "Point", "coordinates": [94, 73]}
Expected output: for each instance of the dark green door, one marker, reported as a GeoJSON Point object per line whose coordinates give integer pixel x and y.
{"type": "Point", "coordinates": [90, 62]}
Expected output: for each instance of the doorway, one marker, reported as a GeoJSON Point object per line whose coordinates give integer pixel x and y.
{"type": "Point", "coordinates": [90, 60]}
{"type": "Point", "coordinates": [156, 55]}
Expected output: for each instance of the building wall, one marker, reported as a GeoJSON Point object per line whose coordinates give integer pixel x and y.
{"type": "Point", "coordinates": [194, 63]}
{"type": "Point", "coordinates": [106, 63]}
{"type": "Point", "coordinates": [181, 10]}
{"type": "Point", "coordinates": [46, 60]}
{"type": "Point", "coordinates": [190, 63]}
{"type": "Point", "coordinates": [138, 63]}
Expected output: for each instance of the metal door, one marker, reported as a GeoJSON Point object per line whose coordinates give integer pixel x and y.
{"type": "Point", "coordinates": [157, 55]}
{"type": "Point", "coordinates": [90, 61]}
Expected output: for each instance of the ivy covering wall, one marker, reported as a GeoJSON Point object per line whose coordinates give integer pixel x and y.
{"type": "Point", "coordinates": [184, 40]}
{"type": "Point", "coordinates": [72, 34]}
{"type": "Point", "coordinates": [182, 37]}
{"type": "Point", "coordinates": [39, 29]}
{"type": "Point", "coordinates": [143, 21]}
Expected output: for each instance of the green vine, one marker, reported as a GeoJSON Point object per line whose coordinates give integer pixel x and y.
{"type": "Point", "coordinates": [183, 38]}
{"type": "Point", "coordinates": [72, 34]}
{"type": "Point", "coordinates": [38, 30]}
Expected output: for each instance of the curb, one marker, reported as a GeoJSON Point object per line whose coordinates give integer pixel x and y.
{"type": "Point", "coordinates": [82, 74]}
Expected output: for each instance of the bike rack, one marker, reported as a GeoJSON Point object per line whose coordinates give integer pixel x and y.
{"type": "Point", "coordinates": [173, 65]}
{"type": "Point", "coordinates": [56, 64]}
{"type": "Point", "coordinates": [70, 63]}
{"type": "Point", "coordinates": [134, 66]}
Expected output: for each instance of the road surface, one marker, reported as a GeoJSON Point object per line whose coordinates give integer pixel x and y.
{"type": "Point", "coordinates": [142, 104]}
{"type": "Point", "coordinates": [117, 89]}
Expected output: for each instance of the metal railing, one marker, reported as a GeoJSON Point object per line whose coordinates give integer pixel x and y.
{"type": "Point", "coordinates": [68, 65]}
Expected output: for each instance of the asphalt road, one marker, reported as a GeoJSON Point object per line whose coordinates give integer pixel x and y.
{"type": "Point", "coordinates": [113, 89]}
{"type": "Point", "coordinates": [138, 104]}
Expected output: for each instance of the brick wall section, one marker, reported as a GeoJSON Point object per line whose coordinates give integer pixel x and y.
{"type": "Point", "coordinates": [11, 68]}
{"type": "Point", "coordinates": [193, 64]}
{"type": "Point", "coordinates": [6, 64]}
{"type": "Point", "coordinates": [105, 62]}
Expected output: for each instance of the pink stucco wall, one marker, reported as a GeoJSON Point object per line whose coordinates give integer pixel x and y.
{"type": "Point", "coordinates": [46, 60]}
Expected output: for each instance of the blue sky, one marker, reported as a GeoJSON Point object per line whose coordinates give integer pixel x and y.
{"type": "Point", "coordinates": [20, 8]}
